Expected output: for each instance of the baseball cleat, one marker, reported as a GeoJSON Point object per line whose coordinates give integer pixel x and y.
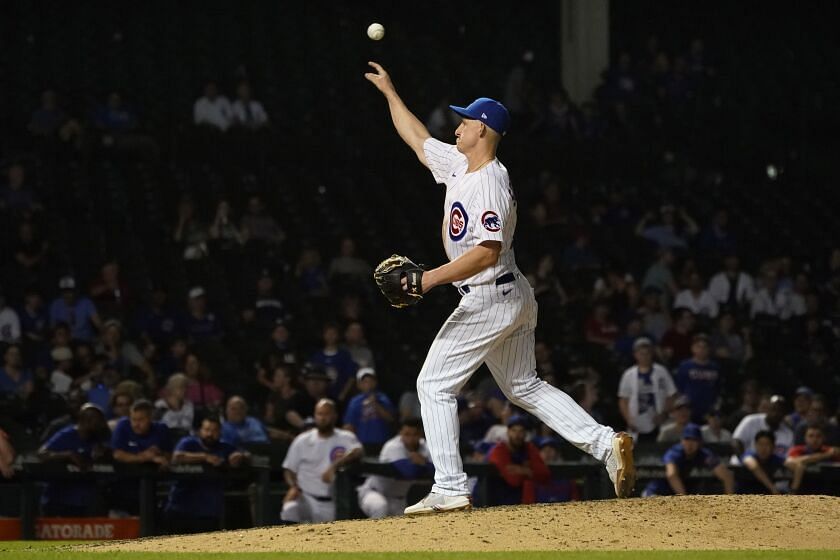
{"type": "Point", "coordinates": [438, 503]}
{"type": "Point", "coordinates": [620, 465]}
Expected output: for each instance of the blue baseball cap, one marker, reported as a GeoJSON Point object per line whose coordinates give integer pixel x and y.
{"type": "Point", "coordinates": [692, 431]}
{"type": "Point", "coordinates": [489, 111]}
{"type": "Point", "coordinates": [519, 420]}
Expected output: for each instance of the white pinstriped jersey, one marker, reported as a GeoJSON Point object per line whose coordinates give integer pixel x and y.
{"type": "Point", "coordinates": [479, 206]}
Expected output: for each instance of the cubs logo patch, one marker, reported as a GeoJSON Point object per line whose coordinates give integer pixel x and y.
{"type": "Point", "coordinates": [337, 453]}
{"type": "Point", "coordinates": [491, 222]}
{"type": "Point", "coordinates": [458, 221]}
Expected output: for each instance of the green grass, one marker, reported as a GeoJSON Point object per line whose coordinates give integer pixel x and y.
{"type": "Point", "coordinates": [46, 550]}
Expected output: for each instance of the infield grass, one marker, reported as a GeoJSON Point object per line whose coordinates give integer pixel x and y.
{"type": "Point", "coordinates": [51, 550]}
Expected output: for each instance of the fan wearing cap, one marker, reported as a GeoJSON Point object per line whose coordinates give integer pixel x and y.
{"type": "Point", "coordinates": [496, 317]}
{"type": "Point", "coordinates": [77, 311]}
{"type": "Point", "coordinates": [519, 465]}
{"type": "Point", "coordinates": [370, 414]}
{"type": "Point", "coordinates": [199, 323]}
{"type": "Point", "coordinates": [646, 393]}
{"type": "Point", "coordinates": [699, 379]}
{"type": "Point", "coordinates": [801, 403]}
{"type": "Point", "coordinates": [684, 457]}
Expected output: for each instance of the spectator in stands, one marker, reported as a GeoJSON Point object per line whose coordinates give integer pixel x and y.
{"type": "Point", "coordinates": [316, 386]}
{"type": "Point", "coordinates": [77, 311]}
{"type": "Point", "coordinates": [33, 318]}
{"type": "Point", "coordinates": [310, 466]}
{"type": "Point", "coordinates": [696, 298]}
{"type": "Point", "coordinates": [15, 196]}
{"type": "Point", "coordinates": [655, 319]}
{"type": "Point", "coordinates": [281, 344]}
{"type": "Point", "coordinates": [773, 301]}
{"type": "Point", "coordinates": [699, 379]}
{"type": "Point", "coordinates": [238, 427]}
{"type": "Point", "coordinates": [817, 414]}
{"type": "Point", "coordinates": [667, 234]}
{"type": "Point", "coordinates": [731, 287]}
{"type": "Point", "coordinates": [114, 116]}
{"type": "Point", "coordinates": [381, 496]}
{"type": "Point", "coordinates": [743, 438]}
{"type": "Point", "coordinates": [623, 346]}
{"type": "Point", "coordinates": [120, 406]}
{"type": "Point", "coordinates": [213, 110]}
{"type": "Point", "coordinates": [762, 463]}
{"type": "Point", "coordinates": [199, 323]}
{"type": "Point", "coordinates": [347, 267]}
{"type": "Point", "coordinates": [717, 238]}
{"type": "Point", "coordinates": [802, 399]}
{"type": "Point", "coordinates": [646, 393]}
{"type": "Point", "coordinates": [310, 274]}
{"type": "Point", "coordinates": [259, 226]}
{"type": "Point", "coordinates": [441, 121]}
{"type": "Point", "coordinates": [554, 490]}
{"type": "Point", "coordinates": [190, 232]}
{"type": "Point", "coordinates": [246, 111]}
{"type": "Point", "coordinates": [158, 323]}
{"type": "Point", "coordinates": [79, 445]}
{"type": "Point", "coordinates": [224, 230]}
{"type": "Point", "coordinates": [680, 417]}
{"type": "Point", "coordinates": [10, 332]}
{"type": "Point", "coordinates": [684, 457]}
{"type": "Point", "coordinates": [123, 355]}
{"type": "Point", "coordinates": [713, 430]}
{"type": "Point", "coordinates": [370, 414]}
{"type": "Point", "coordinates": [676, 342]}
{"type": "Point", "coordinates": [174, 408]}
{"type": "Point", "coordinates": [337, 362]}
{"type": "Point", "coordinates": [286, 407]}
{"type": "Point", "coordinates": [174, 360]}
{"type": "Point", "coordinates": [110, 292]}
{"type": "Point", "coordinates": [548, 290]}
{"type": "Point", "coordinates": [519, 465]}
{"type": "Point", "coordinates": [201, 390]}
{"type": "Point", "coordinates": [267, 307]}
{"type": "Point", "coordinates": [813, 451]}
{"type": "Point", "coordinates": [7, 455]}
{"type": "Point", "coordinates": [48, 119]}
{"type": "Point", "coordinates": [356, 344]}
{"type": "Point", "coordinates": [14, 379]}
{"type": "Point", "coordinates": [60, 379]}
{"type": "Point", "coordinates": [749, 401]}
{"type": "Point", "coordinates": [600, 328]}
{"type": "Point", "coordinates": [31, 253]}
{"type": "Point", "coordinates": [660, 276]}
{"type": "Point", "coordinates": [196, 504]}
{"type": "Point", "coordinates": [727, 343]}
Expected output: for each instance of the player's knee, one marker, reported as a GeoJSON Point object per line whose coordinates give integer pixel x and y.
{"type": "Point", "coordinates": [291, 512]}
{"type": "Point", "coordinates": [374, 505]}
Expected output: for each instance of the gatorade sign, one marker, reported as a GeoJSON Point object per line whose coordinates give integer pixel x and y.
{"type": "Point", "coordinates": [74, 528]}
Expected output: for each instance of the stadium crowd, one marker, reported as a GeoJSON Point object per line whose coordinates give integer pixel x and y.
{"type": "Point", "coordinates": [656, 314]}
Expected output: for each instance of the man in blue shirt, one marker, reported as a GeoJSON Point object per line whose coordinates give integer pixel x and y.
{"type": "Point", "coordinates": [762, 462]}
{"type": "Point", "coordinates": [197, 505]}
{"type": "Point", "coordinates": [200, 324]}
{"type": "Point", "coordinates": [684, 457]}
{"type": "Point", "coordinates": [370, 414]}
{"type": "Point", "coordinates": [239, 428]}
{"type": "Point", "coordinates": [137, 440]}
{"type": "Point", "coordinates": [337, 362]}
{"type": "Point", "coordinates": [699, 379]}
{"type": "Point", "coordinates": [78, 312]}
{"type": "Point", "coordinates": [78, 445]}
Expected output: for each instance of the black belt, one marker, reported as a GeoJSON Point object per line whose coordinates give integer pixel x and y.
{"type": "Point", "coordinates": [503, 279]}
{"type": "Point", "coordinates": [319, 498]}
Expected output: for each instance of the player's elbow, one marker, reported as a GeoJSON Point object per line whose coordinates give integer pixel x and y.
{"type": "Point", "coordinates": [490, 251]}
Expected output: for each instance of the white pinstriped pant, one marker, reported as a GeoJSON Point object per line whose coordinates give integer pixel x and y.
{"type": "Point", "coordinates": [495, 325]}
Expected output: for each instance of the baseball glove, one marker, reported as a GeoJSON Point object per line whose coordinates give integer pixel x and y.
{"type": "Point", "coordinates": [389, 275]}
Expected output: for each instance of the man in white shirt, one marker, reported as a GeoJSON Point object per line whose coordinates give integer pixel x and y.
{"type": "Point", "coordinates": [381, 496]}
{"type": "Point", "coordinates": [311, 464]}
{"type": "Point", "coordinates": [248, 112]}
{"type": "Point", "coordinates": [732, 287]}
{"type": "Point", "coordinates": [697, 299]}
{"type": "Point", "coordinates": [213, 109]}
{"type": "Point", "coordinates": [775, 301]}
{"type": "Point", "coordinates": [743, 439]}
{"type": "Point", "coordinates": [645, 393]}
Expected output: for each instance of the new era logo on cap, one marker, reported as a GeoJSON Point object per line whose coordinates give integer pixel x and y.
{"type": "Point", "coordinates": [484, 116]}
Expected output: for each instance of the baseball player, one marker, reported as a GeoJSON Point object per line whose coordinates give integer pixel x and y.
{"type": "Point", "coordinates": [311, 463]}
{"type": "Point", "coordinates": [381, 496]}
{"type": "Point", "coordinates": [495, 319]}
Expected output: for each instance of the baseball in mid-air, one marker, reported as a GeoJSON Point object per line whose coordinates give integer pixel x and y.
{"type": "Point", "coordinates": [376, 31]}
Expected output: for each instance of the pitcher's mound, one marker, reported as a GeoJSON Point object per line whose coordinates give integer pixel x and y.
{"type": "Point", "coordinates": [691, 522]}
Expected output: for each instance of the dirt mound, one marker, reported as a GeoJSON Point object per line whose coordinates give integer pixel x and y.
{"type": "Point", "coordinates": [693, 522]}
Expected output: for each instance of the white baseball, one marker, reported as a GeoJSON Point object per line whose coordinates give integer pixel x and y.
{"type": "Point", "coordinates": [376, 31]}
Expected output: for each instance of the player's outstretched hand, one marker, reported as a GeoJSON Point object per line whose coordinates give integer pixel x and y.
{"type": "Point", "coordinates": [380, 78]}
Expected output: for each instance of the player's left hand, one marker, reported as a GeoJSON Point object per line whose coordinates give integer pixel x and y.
{"type": "Point", "coordinates": [423, 283]}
